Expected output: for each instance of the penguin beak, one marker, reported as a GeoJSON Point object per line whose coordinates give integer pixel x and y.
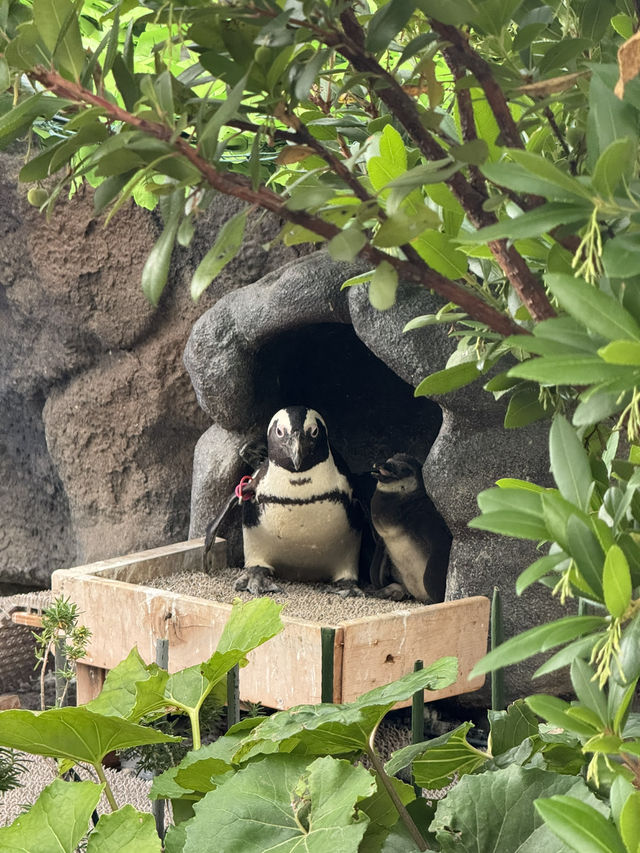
{"type": "Point", "coordinates": [296, 451]}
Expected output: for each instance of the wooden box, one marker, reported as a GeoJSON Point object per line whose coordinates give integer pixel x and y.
{"type": "Point", "coordinates": [307, 662]}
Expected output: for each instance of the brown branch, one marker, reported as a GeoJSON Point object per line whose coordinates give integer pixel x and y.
{"type": "Point", "coordinates": [467, 119]}
{"type": "Point", "coordinates": [404, 108]}
{"type": "Point", "coordinates": [240, 187]}
{"type": "Point", "coordinates": [464, 55]}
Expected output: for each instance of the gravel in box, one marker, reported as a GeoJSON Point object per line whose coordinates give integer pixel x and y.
{"type": "Point", "coordinates": [314, 602]}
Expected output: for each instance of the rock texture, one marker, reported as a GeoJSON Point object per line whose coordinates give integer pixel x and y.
{"type": "Point", "coordinates": [98, 419]}
{"type": "Point", "coordinates": [296, 338]}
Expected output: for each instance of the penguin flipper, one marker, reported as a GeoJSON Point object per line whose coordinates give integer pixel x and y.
{"type": "Point", "coordinates": [213, 526]}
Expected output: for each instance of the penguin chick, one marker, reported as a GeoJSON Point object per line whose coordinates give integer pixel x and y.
{"type": "Point", "coordinates": [303, 523]}
{"type": "Point", "coordinates": [414, 534]}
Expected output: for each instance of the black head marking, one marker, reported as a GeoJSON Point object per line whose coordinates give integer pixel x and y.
{"type": "Point", "coordinates": [297, 439]}
{"type": "Point", "coordinates": [400, 466]}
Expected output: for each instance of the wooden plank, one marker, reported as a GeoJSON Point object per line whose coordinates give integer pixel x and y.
{"type": "Point", "coordinates": [8, 701]}
{"type": "Point", "coordinates": [23, 617]}
{"type": "Point", "coordinates": [284, 672]}
{"type": "Point", "coordinates": [143, 565]}
{"type": "Point", "coordinates": [89, 681]}
{"type": "Point", "coordinates": [382, 649]}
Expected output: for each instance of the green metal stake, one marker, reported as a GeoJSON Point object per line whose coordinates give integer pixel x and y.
{"type": "Point", "coordinates": [497, 638]}
{"type": "Point", "coordinates": [60, 665]}
{"type": "Point", "coordinates": [157, 807]}
{"type": "Point", "coordinates": [233, 696]}
{"type": "Point", "coordinates": [328, 638]}
{"type": "Point", "coordinates": [417, 710]}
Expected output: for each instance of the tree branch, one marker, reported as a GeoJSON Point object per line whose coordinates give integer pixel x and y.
{"type": "Point", "coordinates": [240, 187]}
{"type": "Point", "coordinates": [404, 108]}
{"type": "Point", "coordinates": [464, 55]}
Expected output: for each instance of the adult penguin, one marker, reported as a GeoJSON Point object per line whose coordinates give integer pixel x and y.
{"type": "Point", "coordinates": [301, 522]}
{"type": "Point", "coordinates": [415, 536]}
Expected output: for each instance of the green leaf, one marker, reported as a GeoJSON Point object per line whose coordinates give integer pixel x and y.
{"type": "Point", "coordinates": [343, 729]}
{"type": "Point", "coordinates": [448, 379]}
{"type": "Point", "coordinates": [387, 22]}
{"type": "Point", "coordinates": [250, 625]}
{"type": "Point", "coordinates": [448, 755]}
{"type": "Point", "coordinates": [511, 512]}
{"type": "Point", "coordinates": [524, 408]}
{"type": "Point", "coordinates": [125, 831]}
{"type": "Point", "coordinates": [587, 690]}
{"type": "Point", "coordinates": [558, 713]}
{"type": "Point", "coordinates": [493, 812]}
{"type": "Point", "coordinates": [538, 639]}
{"type": "Point", "coordinates": [156, 268]}
{"type": "Point", "coordinates": [608, 118]}
{"type": "Point", "coordinates": [57, 23]}
{"type": "Point", "coordinates": [532, 173]}
{"type": "Point", "coordinates": [440, 253]}
{"type": "Point", "coordinates": [621, 352]}
{"type": "Point", "coordinates": [346, 245]}
{"type": "Point", "coordinates": [596, 310]}
{"type": "Point", "coordinates": [614, 166]}
{"type": "Point", "coordinates": [579, 825]}
{"type": "Point", "coordinates": [587, 552]}
{"type": "Point", "coordinates": [280, 803]}
{"type": "Point", "coordinates": [20, 117]}
{"type": "Point", "coordinates": [620, 255]}
{"type": "Point", "coordinates": [630, 822]}
{"type": "Point", "coordinates": [226, 247]}
{"type": "Point", "coordinates": [511, 727]}
{"type": "Point", "coordinates": [569, 463]}
{"type": "Point", "coordinates": [565, 657]}
{"type": "Point", "coordinates": [533, 223]}
{"type": "Point", "coordinates": [570, 370]}
{"type": "Point", "coordinates": [363, 278]}
{"type": "Point", "coordinates": [616, 582]}
{"type": "Point", "coordinates": [383, 286]}
{"type": "Point", "coordinates": [392, 161]}
{"type": "Point", "coordinates": [208, 139]}
{"type": "Point", "coordinates": [74, 733]}
{"type": "Point", "coordinates": [130, 689]}
{"type": "Point", "coordinates": [5, 76]}
{"type": "Point", "coordinates": [538, 570]}
{"type": "Point", "coordinates": [56, 822]}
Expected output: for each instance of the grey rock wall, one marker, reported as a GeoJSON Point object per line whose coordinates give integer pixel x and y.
{"type": "Point", "coordinates": [98, 419]}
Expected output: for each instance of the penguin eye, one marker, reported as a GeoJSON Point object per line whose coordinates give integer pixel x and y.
{"type": "Point", "coordinates": [313, 432]}
{"type": "Point", "coordinates": [279, 431]}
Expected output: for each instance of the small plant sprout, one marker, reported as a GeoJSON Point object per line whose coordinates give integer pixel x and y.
{"type": "Point", "coordinates": [62, 637]}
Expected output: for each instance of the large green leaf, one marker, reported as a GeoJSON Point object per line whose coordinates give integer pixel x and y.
{"type": "Point", "coordinates": [156, 269]}
{"type": "Point", "coordinates": [588, 690]}
{"type": "Point", "coordinates": [280, 804]}
{"type": "Point", "coordinates": [558, 713]}
{"type": "Point", "coordinates": [538, 639]}
{"type": "Point", "coordinates": [440, 253]}
{"type": "Point", "coordinates": [18, 119]}
{"type": "Point", "coordinates": [342, 729]}
{"type": "Point", "coordinates": [587, 552]}
{"type": "Point", "coordinates": [614, 166]}
{"type": "Point", "coordinates": [493, 812]}
{"type": "Point", "coordinates": [569, 463]}
{"type": "Point", "coordinates": [445, 757]}
{"type": "Point", "coordinates": [620, 255]}
{"type": "Point", "coordinates": [509, 728]}
{"type": "Point", "coordinates": [609, 118]}
{"type": "Point", "coordinates": [511, 512]}
{"type": "Point", "coordinates": [126, 686]}
{"type": "Point", "coordinates": [56, 822]}
{"type": "Point", "coordinates": [579, 825]}
{"type": "Point", "coordinates": [125, 831]}
{"type": "Point", "coordinates": [572, 370]}
{"type": "Point", "coordinates": [596, 310]}
{"type": "Point", "coordinates": [449, 379]}
{"type": "Point", "coordinates": [74, 733]}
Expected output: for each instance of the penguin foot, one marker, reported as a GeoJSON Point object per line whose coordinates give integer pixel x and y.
{"type": "Point", "coordinates": [392, 592]}
{"type": "Point", "coordinates": [346, 588]}
{"type": "Point", "coordinates": [257, 580]}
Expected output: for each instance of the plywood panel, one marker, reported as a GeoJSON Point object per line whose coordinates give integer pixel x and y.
{"type": "Point", "coordinates": [382, 649]}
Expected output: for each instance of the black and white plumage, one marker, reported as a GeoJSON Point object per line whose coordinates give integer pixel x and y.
{"type": "Point", "coordinates": [303, 523]}
{"type": "Point", "coordinates": [415, 536]}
